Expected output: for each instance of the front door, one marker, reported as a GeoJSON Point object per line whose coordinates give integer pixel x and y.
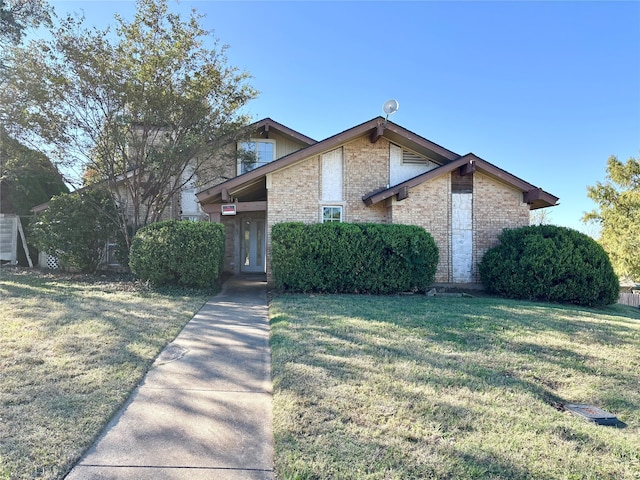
{"type": "Point", "coordinates": [252, 245]}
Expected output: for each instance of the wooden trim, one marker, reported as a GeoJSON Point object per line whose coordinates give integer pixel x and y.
{"type": "Point", "coordinates": [545, 199]}
{"type": "Point", "coordinates": [403, 193]}
{"type": "Point", "coordinates": [532, 195]}
{"type": "Point", "coordinates": [268, 123]}
{"type": "Point", "coordinates": [376, 133]}
{"type": "Point", "coordinates": [326, 145]}
{"type": "Point", "coordinates": [215, 208]}
{"type": "Point", "coordinates": [467, 168]}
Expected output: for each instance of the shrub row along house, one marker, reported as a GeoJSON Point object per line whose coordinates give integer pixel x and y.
{"type": "Point", "coordinates": [375, 172]}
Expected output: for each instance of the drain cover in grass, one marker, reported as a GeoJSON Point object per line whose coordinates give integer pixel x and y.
{"type": "Point", "coordinates": [592, 414]}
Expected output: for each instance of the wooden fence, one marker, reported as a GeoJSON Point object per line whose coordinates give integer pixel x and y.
{"type": "Point", "coordinates": [10, 227]}
{"type": "Point", "coordinates": [632, 299]}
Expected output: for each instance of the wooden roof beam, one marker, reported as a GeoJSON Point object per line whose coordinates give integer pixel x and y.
{"type": "Point", "coordinates": [403, 193]}
{"type": "Point", "coordinates": [532, 195]}
{"type": "Point", "coordinates": [376, 133]}
{"type": "Point", "coordinates": [467, 168]}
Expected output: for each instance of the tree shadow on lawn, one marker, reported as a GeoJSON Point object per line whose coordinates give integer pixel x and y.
{"type": "Point", "coordinates": [487, 330]}
{"type": "Point", "coordinates": [79, 353]}
{"type": "Point", "coordinates": [337, 443]}
{"type": "Point", "coordinates": [486, 349]}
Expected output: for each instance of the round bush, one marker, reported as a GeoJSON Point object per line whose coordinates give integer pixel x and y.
{"type": "Point", "coordinates": [178, 253]}
{"type": "Point", "coordinates": [550, 263]}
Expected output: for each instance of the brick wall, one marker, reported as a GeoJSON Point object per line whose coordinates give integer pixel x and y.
{"type": "Point", "coordinates": [495, 207]}
{"type": "Point", "coordinates": [294, 195]}
{"type": "Point", "coordinates": [366, 168]}
{"type": "Point", "coordinates": [428, 206]}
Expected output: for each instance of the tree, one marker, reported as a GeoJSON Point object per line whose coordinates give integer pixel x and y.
{"type": "Point", "coordinates": [27, 178]}
{"type": "Point", "coordinates": [76, 227]}
{"type": "Point", "coordinates": [18, 15]}
{"type": "Point", "coordinates": [618, 214]}
{"type": "Point", "coordinates": [540, 216]}
{"type": "Point", "coordinates": [142, 112]}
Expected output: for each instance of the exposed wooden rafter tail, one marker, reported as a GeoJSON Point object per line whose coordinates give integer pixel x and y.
{"type": "Point", "coordinates": [376, 133]}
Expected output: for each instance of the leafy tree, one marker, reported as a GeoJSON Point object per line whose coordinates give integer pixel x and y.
{"type": "Point", "coordinates": [618, 214]}
{"type": "Point", "coordinates": [27, 178]}
{"type": "Point", "coordinates": [17, 15]}
{"type": "Point", "coordinates": [76, 227]}
{"type": "Point", "coordinates": [540, 216]}
{"type": "Point", "coordinates": [142, 112]}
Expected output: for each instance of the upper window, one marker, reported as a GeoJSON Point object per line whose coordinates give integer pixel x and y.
{"type": "Point", "coordinates": [254, 154]}
{"type": "Point", "coordinates": [331, 214]}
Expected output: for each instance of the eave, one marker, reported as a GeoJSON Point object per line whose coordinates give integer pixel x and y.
{"type": "Point", "coordinates": [266, 125]}
{"type": "Point", "coordinates": [534, 196]}
{"type": "Point", "coordinates": [394, 133]}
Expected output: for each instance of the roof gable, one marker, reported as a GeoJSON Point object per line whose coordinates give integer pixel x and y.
{"type": "Point", "coordinates": [534, 196]}
{"type": "Point", "coordinates": [267, 125]}
{"type": "Point", "coordinates": [374, 128]}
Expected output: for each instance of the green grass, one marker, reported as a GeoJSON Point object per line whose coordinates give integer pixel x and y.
{"type": "Point", "coordinates": [415, 387]}
{"type": "Point", "coordinates": [72, 348]}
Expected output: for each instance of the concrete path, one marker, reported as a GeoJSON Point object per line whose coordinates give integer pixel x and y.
{"type": "Point", "coordinates": [203, 411]}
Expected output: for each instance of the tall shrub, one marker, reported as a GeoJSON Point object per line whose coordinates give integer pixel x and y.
{"type": "Point", "coordinates": [76, 227]}
{"type": "Point", "coordinates": [178, 253]}
{"type": "Point", "coordinates": [550, 263]}
{"type": "Point", "coordinates": [352, 258]}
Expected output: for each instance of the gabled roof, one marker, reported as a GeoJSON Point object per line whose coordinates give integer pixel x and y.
{"type": "Point", "coordinates": [267, 124]}
{"type": "Point", "coordinates": [534, 196]}
{"type": "Point", "coordinates": [375, 128]}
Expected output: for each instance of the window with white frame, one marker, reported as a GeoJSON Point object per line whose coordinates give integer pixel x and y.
{"type": "Point", "coordinates": [254, 154]}
{"type": "Point", "coordinates": [331, 214]}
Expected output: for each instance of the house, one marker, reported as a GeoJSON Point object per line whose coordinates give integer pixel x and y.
{"type": "Point", "coordinates": [374, 172]}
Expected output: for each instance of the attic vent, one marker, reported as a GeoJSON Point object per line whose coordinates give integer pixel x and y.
{"type": "Point", "coordinates": [410, 158]}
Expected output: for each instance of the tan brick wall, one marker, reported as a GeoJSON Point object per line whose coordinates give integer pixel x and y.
{"type": "Point", "coordinates": [366, 168]}
{"type": "Point", "coordinates": [428, 206]}
{"type": "Point", "coordinates": [495, 207]}
{"type": "Point", "coordinates": [294, 195]}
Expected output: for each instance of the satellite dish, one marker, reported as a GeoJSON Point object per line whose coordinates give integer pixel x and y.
{"type": "Point", "coordinates": [390, 107]}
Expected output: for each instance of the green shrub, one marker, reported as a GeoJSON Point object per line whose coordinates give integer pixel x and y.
{"type": "Point", "coordinates": [352, 258]}
{"type": "Point", "coordinates": [76, 227]}
{"type": "Point", "coordinates": [550, 263]}
{"type": "Point", "coordinates": [178, 253]}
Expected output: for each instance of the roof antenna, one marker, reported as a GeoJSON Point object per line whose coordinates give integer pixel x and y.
{"type": "Point", "coordinates": [389, 108]}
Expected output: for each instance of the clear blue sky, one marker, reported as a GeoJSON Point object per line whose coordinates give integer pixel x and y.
{"type": "Point", "coordinates": [545, 90]}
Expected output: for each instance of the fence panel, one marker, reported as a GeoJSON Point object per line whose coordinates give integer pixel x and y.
{"type": "Point", "coordinates": [632, 299]}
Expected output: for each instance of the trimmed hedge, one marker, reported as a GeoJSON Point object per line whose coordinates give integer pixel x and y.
{"type": "Point", "coordinates": [178, 253]}
{"type": "Point", "coordinates": [550, 263]}
{"type": "Point", "coordinates": [352, 258]}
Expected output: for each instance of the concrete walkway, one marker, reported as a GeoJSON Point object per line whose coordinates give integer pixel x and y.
{"type": "Point", "coordinates": [203, 411]}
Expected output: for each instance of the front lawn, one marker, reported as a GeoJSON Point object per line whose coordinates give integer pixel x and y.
{"type": "Point", "coordinates": [415, 387]}
{"type": "Point", "coordinates": [72, 348]}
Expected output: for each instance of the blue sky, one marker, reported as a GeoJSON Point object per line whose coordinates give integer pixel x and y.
{"type": "Point", "coordinates": [545, 90]}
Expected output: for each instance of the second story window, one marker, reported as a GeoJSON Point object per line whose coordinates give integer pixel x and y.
{"type": "Point", "coordinates": [254, 154]}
